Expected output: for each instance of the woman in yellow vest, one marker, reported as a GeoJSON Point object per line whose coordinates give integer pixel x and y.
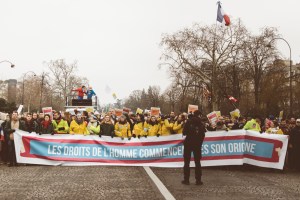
{"type": "Point", "coordinates": [138, 128]}
{"type": "Point", "coordinates": [122, 128]}
{"type": "Point", "coordinates": [179, 124]}
{"type": "Point", "coordinates": [79, 126]}
{"type": "Point", "coordinates": [152, 128]}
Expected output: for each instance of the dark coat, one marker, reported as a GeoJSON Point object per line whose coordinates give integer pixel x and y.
{"type": "Point", "coordinates": [107, 129]}
{"type": "Point", "coordinates": [31, 126]}
{"type": "Point", "coordinates": [194, 130]}
{"type": "Point", "coordinates": [46, 130]}
{"type": "Point", "coordinates": [8, 130]}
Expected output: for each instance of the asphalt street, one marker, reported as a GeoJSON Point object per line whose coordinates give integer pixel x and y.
{"type": "Point", "coordinates": [106, 182]}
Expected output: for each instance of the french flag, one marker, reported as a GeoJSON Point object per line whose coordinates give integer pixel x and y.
{"type": "Point", "coordinates": [221, 16]}
{"type": "Point", "coordinates": [232, 99]}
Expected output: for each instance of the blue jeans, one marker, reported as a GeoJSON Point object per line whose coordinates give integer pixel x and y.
{"type": "Point", "coordinates": [80, 98]}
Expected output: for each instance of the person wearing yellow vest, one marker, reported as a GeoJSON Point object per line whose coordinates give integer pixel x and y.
{"type": "Point", "coordinates": [179, 124]}
{"type": "Point", "coordinates": [152, 128]}
{"type": "Point", "coordinates": [122, 128]}
{"type": "Point", "coordinates": [79, 126]}
{"type": "Point", "coordinates": [60, 125]}
{"type": "Point", "coordinates": [274, 129]}
{"type": "Point", "coordinates": [253, 125]}
{"type": "Point", "coordinates": [93, 126]}
{"type": "Point", "coordinates": [138, 128]}
{"type": "Point", "coordinates": [166, 126]}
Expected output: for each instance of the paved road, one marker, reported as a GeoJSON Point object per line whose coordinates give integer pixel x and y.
{"type": "Point", "coordinates": [235, 182]}
{"type": "Point", "coordinates": [45, 182]}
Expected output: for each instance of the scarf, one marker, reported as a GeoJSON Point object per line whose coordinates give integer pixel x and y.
{"type": "Point", "coordinates": [46, 124]}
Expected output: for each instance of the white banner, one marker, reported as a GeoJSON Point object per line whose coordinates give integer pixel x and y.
{"type": "Point", "coordinates": [219, 148]}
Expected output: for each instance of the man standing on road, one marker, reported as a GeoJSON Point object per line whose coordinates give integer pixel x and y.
{"type": "Point", "coordinates": [194, 130]}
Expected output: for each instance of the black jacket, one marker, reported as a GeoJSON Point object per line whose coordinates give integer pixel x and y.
{"type": "Point", "coordinates": [194, 130]}
{"type": "Point", "coordinates": [44, 130]}
{"type": "Point", "coordinates": [8, 130]}
{"type": "Point", "coordinates": [107, 129]}
{"type": "Point", "coordinates": [31, 126]}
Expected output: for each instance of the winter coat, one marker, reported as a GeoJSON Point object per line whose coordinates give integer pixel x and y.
{"type": "Point", "coordinates": [178, 127]}
{"type": "Point", "coordinates": [90, 94]}
{"type": "Point", "coordinates": [138, 129]}
{"type": "Point", "coordinates": [31, 126]}
{"type": "Point", "coordinates": [122, 130]}
{"type": "Point", "coordinates": [107, 129]}
{"type": "Point", "coordinates": [46, 130]}
{"type": "Point", "coordinates": [80, 129]}
{"type": "Point", "coordinates": [152, 129]}
{"type": "Point", "coordinates": [8, 130]}
{"type": "Point", "coordinates": [93, 128]}
{"type": "Point", "coordinates": [252, 125]}
{"type": "Point", "coordinates": [62, 124]}
{"type": "Point", "coordinates": [166, 127]}
{"type": "Point", "coordinates": [194, 130]}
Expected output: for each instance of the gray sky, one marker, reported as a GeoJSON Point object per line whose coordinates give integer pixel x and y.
{"type": "Point", "coordinates": [116, 42]}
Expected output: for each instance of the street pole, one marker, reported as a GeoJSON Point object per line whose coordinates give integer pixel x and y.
{"type": "Point", "coordinates": [290, 75]}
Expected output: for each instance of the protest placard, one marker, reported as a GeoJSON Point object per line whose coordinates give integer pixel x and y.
{"type": "Point", "coordinates": [213, 118]}
{"type": "Point", "coordinates": [20, 109]}
{"type": "Point", "coordinates": [155, 111]}
{"type": "Point", "coordinates": [48, 110]}
{"type": "Point", "coordinates": [118, 112]}
{"type": "Point", "coordinates": [139, 111]}
{"type": "Point", "coordinates": [126, 110]}
{"type": "Point", "coordinates": [192, 108]}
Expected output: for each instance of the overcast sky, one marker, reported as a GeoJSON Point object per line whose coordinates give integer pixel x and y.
{"type": "Point", "coordinates": [116, 42]}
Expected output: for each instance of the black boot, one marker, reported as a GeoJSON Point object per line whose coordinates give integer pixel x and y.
{"type": "Point", "coordinates": [185, 182]}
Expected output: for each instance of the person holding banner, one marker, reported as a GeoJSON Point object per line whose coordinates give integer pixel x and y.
{"type": "Point", "coordinates": [79, 126]}
{"type": "Point", "coordinates": [30, 124]}
{"type": "Point", "coordinates": [106, 127]}
{"type": "Point", "coordinates": [60, 125]}
{"type": "Point", "coordinates": [122, 128]}
{"type": "Point", "coordinates": [253, 125]}
{"type": "Point", "coordinates": [10, 127]}
{"type": "Point", "coordinates": [138, 127]}
{"type": "Point", "coordinates": [46, 126]}
{"type": "Point", "coordinates": [152, 128]}
{"type": "Point", "coordinates": [179, 124]}
{"type": "Point", "coordinates": [194, 130]}
{"type": "Point", "coordinates": [166, 126]}
{"type": "Point", "coordinates": [93, 126]}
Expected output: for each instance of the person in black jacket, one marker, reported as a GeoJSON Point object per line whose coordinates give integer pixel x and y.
{"type": "Point", "coordinates": [46, 126]}
{"type": "Point", "coordinates": [194, 130]}
{"type": "Point", "coordinates": [295, 146]}
{"type": "Point", "coordinates": [30, 124]}
{"type": "Point", "coordinates": [9, 129]}
{"type": "Point", "coordinates": [106, 127]}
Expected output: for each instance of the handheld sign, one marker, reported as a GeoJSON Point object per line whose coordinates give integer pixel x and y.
{"type": "Point", "coordinates": [118, 112]}
{"type": "Point", "coordinates": [48, 110]}
{"type": "Point", "coordinates": [192, 108]}
{"type": "Point", "coordinates": [155, 111]}
{"type": "Point", "coordinates": [213, 118]}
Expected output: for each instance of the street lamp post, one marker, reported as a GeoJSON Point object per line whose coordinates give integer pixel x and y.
{"type": "Point", "coordinates": [11, 65]}
{"type": "Point", "coordinates": [290, 75]}
{"type": "Point", "coordinates": [23, 85]}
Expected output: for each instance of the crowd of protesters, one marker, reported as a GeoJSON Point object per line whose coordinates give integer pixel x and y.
{"type": "Point", "coordinates": [133, 125]}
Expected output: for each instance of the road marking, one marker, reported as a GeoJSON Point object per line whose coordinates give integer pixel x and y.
{"type": "Point", "coordinates": [162, 188]}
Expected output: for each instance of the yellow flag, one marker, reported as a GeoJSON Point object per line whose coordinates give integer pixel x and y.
{"type": "Point", "coordinates": [114, 95]}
